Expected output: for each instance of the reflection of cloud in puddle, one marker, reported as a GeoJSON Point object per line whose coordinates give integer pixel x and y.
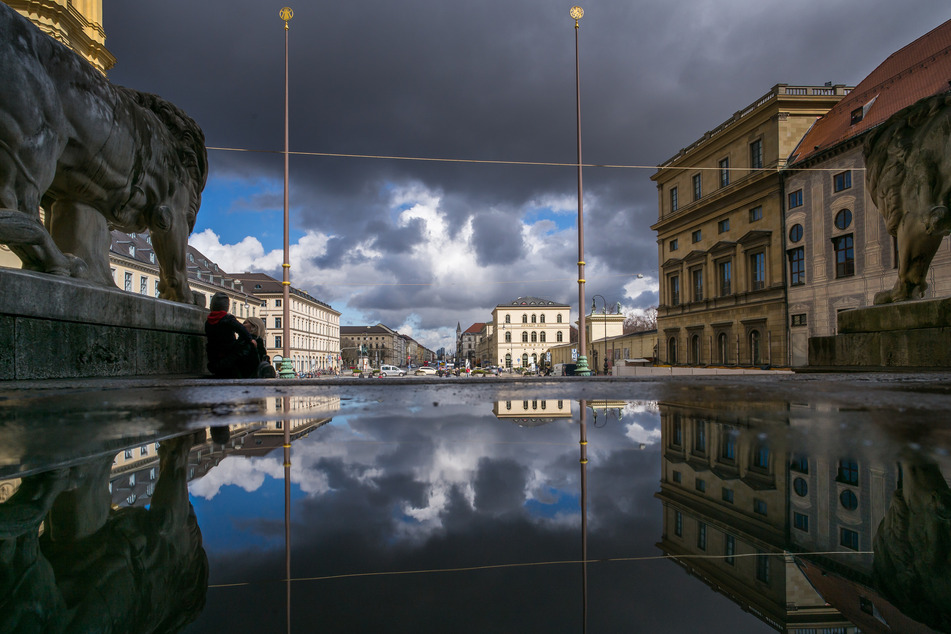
{"type": "Point", "coordinates": [640, 435]}
{"type": "Point", "coordinates": [236, 471]}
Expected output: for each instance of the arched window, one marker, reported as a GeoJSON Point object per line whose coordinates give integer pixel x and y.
{"type": "Point", "coordinates": [672, 350]}
{"type": "Point", "coordinates": [558, 318]}
{"type": "Point", "coordinates": [508, 319]}
{"type": "Point", "coordinates": [558, 337]}
{"type": "Point", "coordinates": [525, 337]}
{"type": "Point", "coordinates": [508, 337]}
{"type": "Point", "coordinates": [534, 318]}
{"type": "Point", "coordinates": [755, 357]}
{"type": "Point", "coordinates": [525, 360]}
{"type": "Point", "coordinates": [524, 318]}
{"type": "Point", "coordinates": [508, 361]}
{"type": "Point", "coordinates": [535, 359]}
{"type": "Point", "coordinates": [541, 336]}
{"type": "Point", "coordinates": [695, 349]}
{"type": "Point", "coordinates": [722, 350]}
{"type": "Point", "coordinates": [541, 318]}
{"type": "Point", "coordinates": [534, 337]}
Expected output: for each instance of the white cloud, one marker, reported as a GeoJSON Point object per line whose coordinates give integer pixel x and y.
{"type": "Point", "coordinates": [249, 474]}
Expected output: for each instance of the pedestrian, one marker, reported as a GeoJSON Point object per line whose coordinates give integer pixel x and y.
{"type": "Point", "coordinates": [232, 352]}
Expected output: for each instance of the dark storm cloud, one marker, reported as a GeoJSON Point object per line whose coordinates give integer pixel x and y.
{"type": "Point", "coordinates": [488, 81]}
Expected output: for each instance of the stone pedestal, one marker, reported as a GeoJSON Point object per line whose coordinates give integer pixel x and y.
{"type": "Point", "coordinates": [53, 327]}
{"type": "Point", "coordinates": [905, 335]}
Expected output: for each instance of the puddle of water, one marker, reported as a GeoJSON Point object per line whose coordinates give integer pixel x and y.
{"type": "Point", "coordinates": [730, 507]}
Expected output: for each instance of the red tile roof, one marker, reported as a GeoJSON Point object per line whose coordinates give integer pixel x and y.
{"type": "Point", "coordinates": [475, 328]}
{"type": "Point", "coordinates": [919, 70]}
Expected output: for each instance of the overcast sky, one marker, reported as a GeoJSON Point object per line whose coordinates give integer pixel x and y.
{"type": "Point", "coordinates": [422, 245]}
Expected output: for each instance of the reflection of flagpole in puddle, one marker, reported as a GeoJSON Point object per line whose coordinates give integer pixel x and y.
{"type": "Point", "coordinates": [287, 506]}
{"type": "Point", "coordinates": [583, 442]}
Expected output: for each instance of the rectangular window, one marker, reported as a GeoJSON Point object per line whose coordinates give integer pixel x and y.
{"type": "Point", "coordinates": [757, 271]}
{"type": "Point", "coordinates": [277, 322]}
{"type": "Point", "coordinates": [697, 190]}
{"type": "Point", "coordinates": [797, 266]}
{"type": "Point", "coordinates": [673, 199]}
{"type": "Point", "coordinates": [277, 342]}
{"type": "Point", "coordinates": [728, 450]}
{"type": "Point", "coordinates": [723, 226]}
{"type": "Point", "coordinates": [844, 256]}
{"type": "Point", "coordinates": [277, 303]}
{"type": "Point", "coordinates": [729, 549]}
{"type": "Point", "coordinates": [856, 115]}
{"type": "Point", "coordinates": [841, 181]}
{"type": "Point", "coordinates": [799, 463]}
{"type": "Point", "coordinates": [725, 273]}
{"type": "Point", "coordinates": [677, 477]}
{"type": "Point", "coordinates": [128, 281]}
{"type": "Point", "coordinates": [727, 495]}
{"type": "Point", "coordinates": [697, 276]}
{"type": "Point", "coordinates": [756, 213]}
{"type": "Point", "coordinates": [143, 285]}
{"type": "Point", "coordinates": [700, 437]}
{"type": "Point", "coordinates": [696, 236]}
{"type": "Point", "coordinates": [678, 439]}
{"type": "Point", "coordinates": [801, 522]}
{"type": "Point", "coordinates": [674, 290]}
{"type": "Point", "coordinates": [700, 485]}
{"type": "Point", "coordinates": [678, 524]}
{"type": "Point", "coordinates": [761, 457]}
{"type": "Point", "coordinates": [798, 320]}
{"type": "Point", "coordinates": [128, 454]}
{"type": "Point", "coordinates": [848, 472]}
{"type": "Point", "coordinates": [701, 536]}
{"type": "Point", "coordinates": [849, 538]}
{"type": "Point", "coordinates": [144, 450]}
{"type": "Point", "coordinates": [762, 568]}
{"type": "Point", "coordinates": [724, 166]}
{"type": "Point", "coordinates": [156, 288]}
{"type": "Point", "coordinates": [759, 507]}
{"type": "Point", "coordinates": [756, 154]}
{"type": "Point", "coordinates": [795, 199]}
{"type": "Point", "coordinates": [672, 245]}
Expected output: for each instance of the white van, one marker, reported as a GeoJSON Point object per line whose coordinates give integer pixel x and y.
{"type": "Point", "coordinates": [391, 370]}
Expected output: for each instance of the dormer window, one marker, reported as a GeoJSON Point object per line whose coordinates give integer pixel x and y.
{"type": "Point", "coordinates": [857, 115]}
{"type": "Point", "coordinates": [132, 250]}
{"type": "Point", "coordinates": [191, 258]}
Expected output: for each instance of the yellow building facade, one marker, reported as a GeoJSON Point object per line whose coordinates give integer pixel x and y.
{"type": "Point", "coordinates": [720, 233]}
{"type": "Point", "coordinates": [522, 332]}
{"type": "Point", "coordinates": [75, 23]}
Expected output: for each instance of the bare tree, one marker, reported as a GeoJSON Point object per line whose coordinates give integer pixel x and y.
{"type": "Point", "coordinates": [641, 320]}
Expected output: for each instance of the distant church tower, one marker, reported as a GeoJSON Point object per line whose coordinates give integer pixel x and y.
{"type": "Point", "coordinates": [75, 23]}
{"type": "Point", "coordinates": [458, 341]}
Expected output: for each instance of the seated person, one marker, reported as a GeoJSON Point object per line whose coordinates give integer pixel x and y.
{"type": "Point", "coordinates": [232, 352]}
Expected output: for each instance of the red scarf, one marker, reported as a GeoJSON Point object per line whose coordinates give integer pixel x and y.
{"type": "Point", "coordinates": [216, 315]}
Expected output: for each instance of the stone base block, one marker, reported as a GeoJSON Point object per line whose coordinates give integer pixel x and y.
{"type": "Point", "coordinates": [905, 335]}
{"type": "Point", "coordinates": [54, 327]}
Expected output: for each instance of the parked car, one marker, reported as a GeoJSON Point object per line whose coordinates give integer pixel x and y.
{"type": "Point", "coordinates": [425, 370]}
{"type": "Point", "coordinates": [391, 370]}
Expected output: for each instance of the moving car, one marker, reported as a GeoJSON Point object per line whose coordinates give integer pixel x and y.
{"type": "Point", "coordinates": [391, 370]}
{"type": "Point", "coordinates": [425, 371]}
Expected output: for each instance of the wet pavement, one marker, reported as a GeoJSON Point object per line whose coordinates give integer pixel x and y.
{"type": "Point", "coordinates": [740, 504]}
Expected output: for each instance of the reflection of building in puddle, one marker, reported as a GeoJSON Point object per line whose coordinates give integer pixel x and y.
{"type": "Point", "coordinates": [297, 405]}
{"type": "Point", "coordinates": [730, 514]}
{"type": "Point", "coordinates": [135, 469]}
{"type": "Point", "coordinates": [605, 410]}
{"type": "Point", "coordinates": [533, 412]}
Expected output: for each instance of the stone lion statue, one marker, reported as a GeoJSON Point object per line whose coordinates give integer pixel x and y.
{"type": "Point", "coordinates": [912, 562]}
{"type": "Point", "coordinates": [908, 173]}
{"type": "Point", "coordinates": [99, 569]}
{"type": "Point", "coordinates": [96, 157]}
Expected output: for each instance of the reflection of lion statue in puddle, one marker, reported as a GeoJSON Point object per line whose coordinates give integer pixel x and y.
{"type": "Point", "coordinates": [908, 163]}
{"type": "Point", "coordinates": [913, 545]}
{"type": "Point", "coordinates": [97, 157]}
{"type": "Point", "coordinates": [96, 569]}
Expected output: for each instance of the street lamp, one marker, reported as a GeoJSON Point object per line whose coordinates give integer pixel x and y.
{"type": "Point", "coordinates": [581, 369]}
{"type": "Point", "coordinates": [286, 370]}
{"type": "Point", "coordinates": [604, 320]}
